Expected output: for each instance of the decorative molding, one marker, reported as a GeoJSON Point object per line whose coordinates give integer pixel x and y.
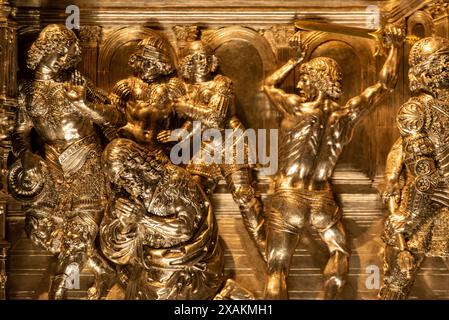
{"type": "Point", "coordinates": [90, 34]}
{"type": "Point", "coordinates": [395, 10]}
{"type": "Point", "coordinates": [424, 18]}
{"type": "Point", "coordinates": [186, 33]}
{"type": "Point", "coordinates": [278, 36]}
{"type": "Point", "coordinates": [438, 8]}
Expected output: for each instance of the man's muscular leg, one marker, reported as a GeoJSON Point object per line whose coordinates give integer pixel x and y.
{"type": "Point", "coordinates": [104, 275]}
{"type": "Point", "coordinates": [280, 248]}
{"type": "Point", "coordinates": [285, 223]}
{"type": "Point", "coordinates": [325, 217]}
{"type": "Point", "coordinates": [336, 269]}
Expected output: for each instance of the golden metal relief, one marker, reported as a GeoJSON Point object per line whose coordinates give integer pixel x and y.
{"type": "Point", "coordinates": [135, 176]}
{"type": "Point", "coordinates": [416, 180]}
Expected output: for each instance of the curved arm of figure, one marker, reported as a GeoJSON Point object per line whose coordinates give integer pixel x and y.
{"type": "Point", "coordinates": [358, 106]}
{"type": "Point", "coordinates": [178, 228]}
{"type": "Point", "coordinates": [212, 114]}
{"type": "Point", "coordinates": [20, 139]}
{"type": "Point", "coordinates": [102, 114]}
{"type": "Point", "coordinates": [283, 101]}
{"type": "Point", "coordinates": [120, 95]}
{"type": "Point", "coordinates": [99, 113]}
{"type": "Point", "coordinates": [393, 170]}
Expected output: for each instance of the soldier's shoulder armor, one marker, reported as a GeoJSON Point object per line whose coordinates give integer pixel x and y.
{"type": "Point", "coordinates": [223, 85]}
{"type": "Point", "coordinates": [124, 87]}
{"type": "Point", "coordinates": [413, 116]}
{"type": "Point", "coordinates": [176, 88]}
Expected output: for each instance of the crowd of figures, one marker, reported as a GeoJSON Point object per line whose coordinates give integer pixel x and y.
{"type": "Point", "coordinates": [100, 189]}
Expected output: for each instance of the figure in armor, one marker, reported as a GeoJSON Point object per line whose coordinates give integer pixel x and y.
{"type": "Point", "coordinates": [62, 183]}
{"type": "Point", "coordinates": [417, 171]}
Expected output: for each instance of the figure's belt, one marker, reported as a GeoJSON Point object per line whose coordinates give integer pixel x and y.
{"type": "Point", "coordinates": [73, 158]}
{"type": "Point", "coordinates": [75, 147]}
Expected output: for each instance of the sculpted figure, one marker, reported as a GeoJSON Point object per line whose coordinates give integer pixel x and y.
{"type": "Point", "coordinates": [146, 98]}
{"type": "Point", "coordinates": [313, 132]}
{"type": "Point", "coordinates": [209, 99]}
{"type": "Point", "coordinates": [63, 182]}
{"type": "Point", "coordinates": [160, 227]}
{"type": "Point", "coordinates": [416, 178]}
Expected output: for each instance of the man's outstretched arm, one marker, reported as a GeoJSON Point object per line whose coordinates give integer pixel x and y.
{"type": "Point", "coordinates": [358, 106]}
{"type": "Point", "coordinates": [283, 101]}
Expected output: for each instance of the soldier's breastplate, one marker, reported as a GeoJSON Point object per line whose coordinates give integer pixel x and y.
{"type": "Point", "coordinates": [53, 114]}
{"type": "Point", "coordinates": [421, 123]}
{"type": "Point", "coordinates": [201, 93]}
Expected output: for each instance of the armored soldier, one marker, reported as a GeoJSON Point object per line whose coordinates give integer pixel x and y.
{"type": "Point", "coordinates": [210, 101]}
{"type": "Point", "coordinates": [146, 98]}
{"type": "Point", "coordinates": [63, 184]}
{"type": "Point", "coordinates": [313, 132]}
{"type": "Point", "coordinates": [416, 178]}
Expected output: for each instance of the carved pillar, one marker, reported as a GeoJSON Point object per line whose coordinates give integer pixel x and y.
{"type": "Point", "coordinates": [90, 37]}
{"type": "Point", "coordinates": [278, 36]}
{"type": "Point", "coordinates": [8, 104]}
{"type": "Point", "coordinates": [439, 10]}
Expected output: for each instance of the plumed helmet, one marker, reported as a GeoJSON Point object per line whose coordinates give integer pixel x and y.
{"type": "Point", "coordinates": [425, 48]}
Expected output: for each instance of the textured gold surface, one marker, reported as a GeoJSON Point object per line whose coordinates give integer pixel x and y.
{"type": "Point", "coordinates": [250, 39]}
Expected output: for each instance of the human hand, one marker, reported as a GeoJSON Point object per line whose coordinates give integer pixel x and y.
{"type": "Point", "coordinates": [165, 136]}
{"type": "Point", "coordinates": [296, 43]}
{"type": "Point", "coordinates": [32, 166]}
{"type": "Point", "coordinates": [76, 87]}
{"type": "Point", "coordinates": [394, 35]}
{"type": "Point", "coordinates": [392, 195]}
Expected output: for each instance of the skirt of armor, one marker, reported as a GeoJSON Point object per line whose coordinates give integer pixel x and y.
{"type": "Point", "coordinates": [66, 215]}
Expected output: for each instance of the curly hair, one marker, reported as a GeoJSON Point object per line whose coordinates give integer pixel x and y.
{"type": "Point", "coordinates": [136, 62]}
{"type": "Point", "coordinates": [51, 39]}
{"type": "Point", "coordinates": [152, 167]}
{"type": "Point", "coordinates": [325, 74]}
{"type": "Point", "coordinates": [189, 52]}
{"type": "Point", "coordinates": [428, 61]}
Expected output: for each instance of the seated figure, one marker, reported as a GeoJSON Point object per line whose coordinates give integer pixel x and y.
{"type": "Point", "coordinates": [160, 227]}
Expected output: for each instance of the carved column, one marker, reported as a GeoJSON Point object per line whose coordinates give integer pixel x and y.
{"type": "Point", "coordinates": [90, 37]}
{"type": "Point", "coordinates": [278, 36]}
{"type": "Point", "coordinates": [439, 10]}
{"type": "Point", "coordinates": [8, 104]}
